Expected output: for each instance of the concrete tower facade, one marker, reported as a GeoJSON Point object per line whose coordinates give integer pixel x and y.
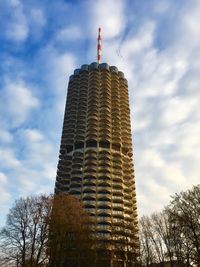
{"type": "Point", "coordinates": [95, 162]}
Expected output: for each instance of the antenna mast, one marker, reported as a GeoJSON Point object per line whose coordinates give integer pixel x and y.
{"type": "Point", "coordinates": [99, 46]}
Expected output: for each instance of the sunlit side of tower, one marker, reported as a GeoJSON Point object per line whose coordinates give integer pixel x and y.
{"type": "Point", "coordinates": [95, 162]}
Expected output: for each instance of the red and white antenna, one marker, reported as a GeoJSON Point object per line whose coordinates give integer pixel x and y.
{"type": "Point", "coordinates": [99, 47]}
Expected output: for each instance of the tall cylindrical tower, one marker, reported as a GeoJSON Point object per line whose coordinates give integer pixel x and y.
{"type": "Point", "coordinates": [95, 162]}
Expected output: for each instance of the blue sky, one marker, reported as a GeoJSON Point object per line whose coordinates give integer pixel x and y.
{"type": "Point", "coordinates": [155, 43]}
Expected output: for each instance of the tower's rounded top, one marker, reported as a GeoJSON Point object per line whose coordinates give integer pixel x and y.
{"type": "Point", "coordinates": [97, 66]}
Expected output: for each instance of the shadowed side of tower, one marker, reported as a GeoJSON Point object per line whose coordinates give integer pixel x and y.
{"type": "Point", "coordinates": [95, 162]}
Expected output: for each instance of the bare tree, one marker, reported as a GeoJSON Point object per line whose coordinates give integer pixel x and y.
{"type": "Point", "coordinates": [184, 212]}
{"type": "Point", "coordinates": [148, 253]}
{"type": "Point", "coordinates": [23, 239]}
{"type": "Point", "coordinates": [173, 235]}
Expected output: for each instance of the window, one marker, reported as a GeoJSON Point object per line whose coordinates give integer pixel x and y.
{"type": "Point", "coordinates": [104, 144]}
{"type": "Point", "coordinates": [91, 143]}
{"type": "Point", "coordinates": [79, 145]}
{"type": "Point", "coordinates": [69, 148]}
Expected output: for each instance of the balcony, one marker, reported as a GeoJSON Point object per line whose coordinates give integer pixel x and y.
{"type": "Point", "coordinates": [104, 164]}
{"type": "Point", "coordinates": [117, 213]}
{"type": "Point", "coordinates": [89, 183]}
{"type": "Point", "coordinates": [64, 168]}
{"type": "Point", "coordinates": [103, 196]}
{"type": "Point", "coordinates": [104, 183]}
{"type": "Point", "coordinates": [118, 186]}
{"type": "Point", "coordinates": [117, 207]}
{"type": "Point", "coordinates": [103, 135]}
{"type": "Point", "coordinates": [116, 139]}
{"type": "Point", "coordinates": [91, 134]}
{"type": "Point", "coordinates": [104, 172]}
{"type": "Point", "coordinates": [75, 184]}
{"type": "Point", "coordinates": [117, 221]}
{"type": "Point", "coordinates": [104, 212]}
{"type": "Point", "coordinates": [78, 154]}
{"type": "Point", "coordinates": [89, 196]}
{"type": "Point", "coordinates": [76, 179]}
{"type": "Point", "coordinates": [77, 165]}
{"type": "Point", "coordinates": [90, 170]}
{"type": "Point", "coordinates": [118, 168]}
{"type": "Point", "coordinates": [117, 179]}
{"type": "Point", "coordinates": [104, 227]}
{"type": "Point", "coordinates": [91, 161]}
{"type": "Point", "coordinates": [127, 197]}
{"type": "Point", "coordinates": [103, 204]}
{"type": "Point", "coordinates": [76, 172]}
{"type": "Point", "coordinates": [104, 189]}
{"type": "Point", "coordinates": [75, 191]}
{"type": "Point", "coordinates": [63, 174]}
{"type": "Point", "coordinates": [117, 193]}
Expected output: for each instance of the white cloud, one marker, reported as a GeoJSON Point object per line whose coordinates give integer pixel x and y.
{"type": "Point", "coordinates": [38, 161]}
{"type": "Point", "coordinates": [5, 136]}
{"type": "Point", "coordinates": [15, 3]}
{"type": "Point", "coordinates": [37, 17]}
{"type": "Point", "coordinates": [62, 64]}
{"type": "Point", "coordinates": [17, 101]}
{"type": "Point", "coordinates": [158, 178]}
{"type": "Point", "coordinates": [188, 143]}
{"type": "Point", "coordinates": [3, 178]}
{"type": "Point", "coordinates": [5, 196]}
{"type": "Point", "coordinates": [177, 109]}
{"type": "Point", "coordinates": [37, 22]}
{"type": "Point", "coordinates": [38, 149]}
{"type": "Point", "coordinates": [56, 67]}
{"type": "Point", "coordinates": [8, 159]}
{"type": "Point", "coordinates": [162, 6]}
{"type": "Point", "coordinates": [141, 41]}
{"type": "Point", "coordinates": [33, 135]}
{"type": "Point", "coordinates": [69, 33]}
{"type": "Point", "coordinates": [109, 15]}
{"type": "Point", "coordinates": [17, 29]}
{"type": "Point", "coordinates": [190, 22]}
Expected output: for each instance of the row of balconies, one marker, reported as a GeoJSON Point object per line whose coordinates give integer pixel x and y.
{"type": "Point", "coordinates": [93, 186]}
{"type": "Point", "coordinates": [115, 147]}
{"type": "Point", "coordinates": [103, 160]}
{"type": "Point", "coordinates": [92, 182]}
{"type": "Point", "coordinates": [96, 79]}
{"type": "Point", "coordinates": [95, 100]}
{"type": "Point", "coordinates": [73, 88]}
{"type": "Point", "coordinates": [83, 80]}
{"type": "Point", "coordinates": [95, 86]}
{"type": "Point", "coordinates": [96, 110]}
{"type": "Point", "coordinates": [95, 119]}
{"type": "Point", "coordinates": [104, 166]}
{"type": "Point", "coordinates": [108, 208]}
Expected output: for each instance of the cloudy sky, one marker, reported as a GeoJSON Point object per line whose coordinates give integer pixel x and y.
{"type": "Point", "coordinates": [156, 43]}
